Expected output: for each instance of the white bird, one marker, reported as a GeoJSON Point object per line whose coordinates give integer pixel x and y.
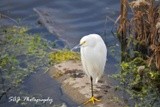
{"type": "Point", "coordinates": [93, 57]}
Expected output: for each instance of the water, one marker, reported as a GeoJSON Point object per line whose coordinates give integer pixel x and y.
{"type": "Point", "coordinates": [66, 21]}
{"type": "Point", "coordinates": [69, 20]}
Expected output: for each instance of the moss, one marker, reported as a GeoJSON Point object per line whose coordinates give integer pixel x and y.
{"type": "Point", "coordinates": [16, 30]}
{"type": "Point", "coordinates": [21, 53]}
{"type": "Point", "coordinates": [139, 81]}
{"type": "Point", "coordinates": [63, 55]}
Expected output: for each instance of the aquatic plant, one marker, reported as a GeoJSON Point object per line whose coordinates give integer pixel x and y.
{"type": "Point", "coordinates": [21, 54]}
{"type": "Point", "coordinates": [139, 82]}
{"type": "Point", "coordinates": [140, 46]}
{"type": "Point", "coordinates": [140, 32]}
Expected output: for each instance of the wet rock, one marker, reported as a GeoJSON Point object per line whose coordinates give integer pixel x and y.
{"type": "Point", "coordinates": [76, 85]}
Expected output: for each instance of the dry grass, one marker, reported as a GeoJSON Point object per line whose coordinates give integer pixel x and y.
{"type": "Point", "coordinates": [122, 30]}
{"type": "Point", "coordinates": [141, 31]}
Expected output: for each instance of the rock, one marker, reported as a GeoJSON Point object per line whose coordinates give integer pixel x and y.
{"type": "Point", "coordinates": [77, 85]}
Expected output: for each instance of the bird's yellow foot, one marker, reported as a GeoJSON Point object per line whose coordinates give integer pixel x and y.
{"type": "Point", "coordinates": [92, 99]}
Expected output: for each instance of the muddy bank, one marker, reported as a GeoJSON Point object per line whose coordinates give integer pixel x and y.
{"type": "Point", "coordinates": [77, 85]}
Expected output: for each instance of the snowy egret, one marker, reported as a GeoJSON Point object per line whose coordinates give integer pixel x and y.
{"type": "Point", "coordinates": [93, 57]}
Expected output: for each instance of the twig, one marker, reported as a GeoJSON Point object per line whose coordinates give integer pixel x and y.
{"type": "Point", "coordinates": [5, 16]}
{"type": "Point", "coordinates": [4, 93]}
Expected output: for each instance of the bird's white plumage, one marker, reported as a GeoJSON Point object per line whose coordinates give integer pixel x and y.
{"type": "Point", "coordinates": [93, 55]}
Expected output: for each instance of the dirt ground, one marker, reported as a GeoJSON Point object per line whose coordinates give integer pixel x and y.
{"type": "Point", "coordinates": [76, 85]}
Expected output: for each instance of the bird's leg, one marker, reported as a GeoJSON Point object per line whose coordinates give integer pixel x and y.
{"type": "Point", "coordinates": [92, 99]}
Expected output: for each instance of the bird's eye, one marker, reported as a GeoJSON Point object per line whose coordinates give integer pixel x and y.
{"type": "Point", "coordinates": [83, 42]}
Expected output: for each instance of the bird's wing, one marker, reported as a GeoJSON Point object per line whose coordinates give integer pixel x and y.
{"type": "Point", "coordinates": [94, 61]}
